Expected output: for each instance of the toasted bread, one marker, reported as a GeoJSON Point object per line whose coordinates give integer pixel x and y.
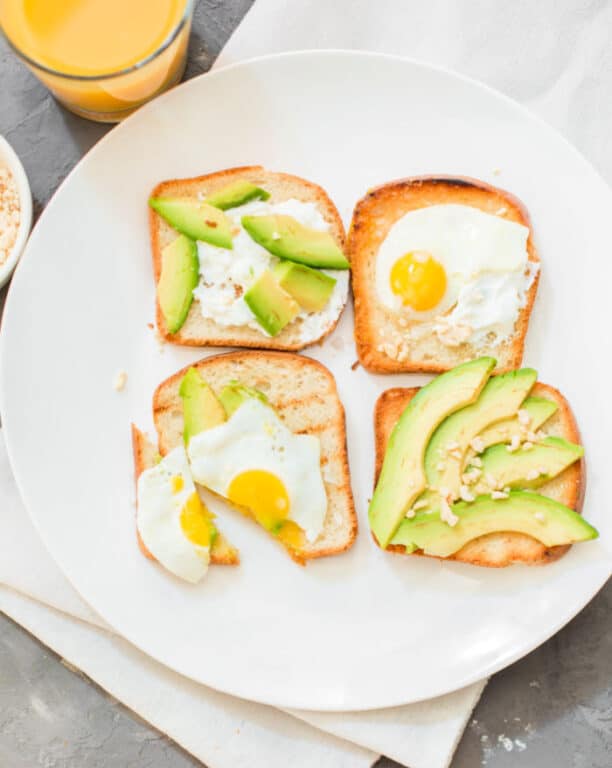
{"type": "Point", "coordinates": [383, 344]}
{"type": "Point", "coordinates": [222, 552]}
{"type": "Point", "coordinates": [202, 332]}
{"type": "Point", "coordinates": [499, 549]}
{"type": "Point", "coordinates": [303, 393]}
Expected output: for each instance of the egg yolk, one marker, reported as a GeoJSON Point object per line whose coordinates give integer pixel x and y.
{"type": "Point", "coordinates": [264, 495]}
{"type": "Point", "coordinates": [196, 522]}
{"type": "Point", "coordinates": [419, 280]}
{"type": "Point", "coordinates": [177, 483]}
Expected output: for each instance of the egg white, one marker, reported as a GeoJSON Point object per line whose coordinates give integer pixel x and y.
{"type": "Point", "coordinates": [254, 438]}
{"type": "Point", "coordinates": [158, 518]}
{"type": "Point", "coordinates": [473, 247]}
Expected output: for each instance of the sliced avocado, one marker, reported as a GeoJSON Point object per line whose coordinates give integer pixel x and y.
{"type": "Point", "coordinates": [500, 399]}
{"type": "Point", "coordinates": [311, 288]}
{"type": "Point", "coordinates": [273, 307]}
{"type": "Point", "coordinates": [529, 468]}
{"type": "Point", "coordinates": [201, 408]}
{"type": "Point", "coordinates": [539, 410]}
{"type": "Point", "coordinates": [196, 219]}
{"type": "Point", "coordinates": [234, 394]}
{"type": "Point", "coordinates": [179, 276]}
{"type": "Point", "coordinates": [522, 512]}
{"type": "Point", "coordinates": [286, 238]}
{"type": "Point", "coordinates": [402, 478]}
{"type": "Point", "coordinates": [235, 194]}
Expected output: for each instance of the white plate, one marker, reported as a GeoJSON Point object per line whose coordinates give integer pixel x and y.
{"type": "Point", "coordinates": [359, 631]}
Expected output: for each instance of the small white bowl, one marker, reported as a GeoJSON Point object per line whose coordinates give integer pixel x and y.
{"type": "Point", "coordinates": [8, 157]}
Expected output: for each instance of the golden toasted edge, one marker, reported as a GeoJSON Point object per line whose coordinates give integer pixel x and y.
{"type": "Point", "coordinates": [367, 352]}
{"type": "Point", "coordinates": [287, 360]}
{"type": "Point", "coordinates": [222, 552]}
{"type": "Point", "coordinates": [387, 411]}
{"type": "Point", "coordinates": [168, 187]}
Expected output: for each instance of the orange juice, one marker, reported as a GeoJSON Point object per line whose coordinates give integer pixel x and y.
{"type": "Point", "coordinates": [101, 58]}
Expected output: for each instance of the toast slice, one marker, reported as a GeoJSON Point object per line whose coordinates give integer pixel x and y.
{"type": "Point", "coordinates": [303, 393]}
{"type": "Point", "coordinates": [387, 343]}
{"type": "Point", "coordinates": [202, 332]}
{"type": "Point", "coordinates": [145, 452]}
{"type": "Point", "coordinates": [499, 549]}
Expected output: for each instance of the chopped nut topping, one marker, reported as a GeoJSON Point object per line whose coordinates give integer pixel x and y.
{"type": "Point", "coordinates": [532, 437]}
{"type": "Point", "coordinates": [421, 504]}
{"type": "Point", "coordinates": [527, 445]}
{"type": "Point", "coordinates": [514, 445]}
{"type": "Point", "coordinates": [410, 513]}
{"type": "Point", "coordinates": [476, 461]}
{"type": "Point", "coordinates": [469, 478]}
{"type": "Point", "coordinates": [446, 513]}
{"type": "Point", "coordinates": [466, 494]}
{"type": "Point", "coordinates": [477, 444]}
{"type": "Point", "coordinates": [499, 495]}
{"type": "Point", "coordinates": [533, 474]}
{"type": "Point", "coordinates": [524, 417]}
{"type": "Point", "coordinates": [490, 480]}
{"type": "Point", "coordinates": [119, 381]}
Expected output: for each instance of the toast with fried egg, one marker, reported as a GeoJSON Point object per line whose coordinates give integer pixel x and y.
{"type": "Point", "coordinates": [499, 549]}
{"type": "Point", "coordinates": [400, 340]}
{"type": "Point", "coordinates": [303, 394]}
{"type": "Point", "coordinates": [200, 330]}
{"type": "Point", "coordinates": [145, 455]}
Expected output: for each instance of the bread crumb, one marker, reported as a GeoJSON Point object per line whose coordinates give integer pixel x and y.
{"type": "Point", "coordinates": [355, 365]}
{"type": "Point", "coordinates": [120, 381]}
{"type": "Point", "coordinates": [150, 326]}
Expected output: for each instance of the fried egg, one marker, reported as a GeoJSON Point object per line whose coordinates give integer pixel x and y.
{"type": "Point", "coordinates": [454, 262]}
{"type": "Point", "coordinates": [172, 522]}
{"type": "Point", "coordinates": [256, 462]}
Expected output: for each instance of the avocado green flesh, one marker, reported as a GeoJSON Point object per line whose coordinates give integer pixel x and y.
{"type": "Point", "coordinates": [201, 408]}
{"type": "Point", "coordinates": [539, 410]}
{"type": "Point", "coordinates": [234, 394]}
{"type": "Point", "coordinates": [500, 399]}
{"type": "Point", "coordinates": [550, 458]}
{"type": "Point", "coordinates": [544, 519]}
{"type": "Point", "coordinates": [195, 219]}
{"type": "Point", "coordinates": [311, 288]}
{"type": "Point", "coordinates": [179, 276]}
{"type": "Point", "coordinates": [273, 307]}
{"type": "Point", "coordinates": [235, 194]}
{"type": "Point", "coordinates": [285, 237]}
{"type": "Point", "coordinates": [402, 478]}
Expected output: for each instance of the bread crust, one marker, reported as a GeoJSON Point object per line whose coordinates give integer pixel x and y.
{"type": "Point", "coordinates": [372, 219]}
{"type": "Point", "coordinates": [310, 406]}
{"type": "Point", "coordinates": [497, 550]}
{"type": "Point", "coordinates": [222, 552]}
{"type": "Point", "coordinates": [200, 332]}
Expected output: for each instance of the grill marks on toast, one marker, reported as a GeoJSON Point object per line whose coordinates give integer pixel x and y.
{"type": "Point", "coordinates": [198, 331]}
{"type": "Point", "coordinates": [373, 217]}
{"type": "Point", "coordinates": [498, 549]}
{"type": "Point", "coordinates": [312, 408]}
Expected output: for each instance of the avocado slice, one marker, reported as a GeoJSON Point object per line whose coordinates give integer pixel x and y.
{"type": "Point", "coordinates": [311, 288]}
{"type": "Point", "coordinates": [234, 394]}
{"type": "Point", "coordinates": [179, 276]}
{"type": "Point", "coordinates": [539, 410]}
{"type": "Point", "coordinates": [531, 468]}
{"type": "Point", "coordinates": [195, 219]}
{"type": "Point", "coordinates": [526, 512]}
{"type": "Point", "coordinates": [201, 408]}
{"type": "Point", "coordinates": [402, 478]}
{"type": "Point", "coordinates": [500, 399]}
{"type": "Point", "coordinates": [273, 307]}
{"type": "Point", "coordinates": [235, 194]}
{"type": "Point", "coordinates": [286, 238]}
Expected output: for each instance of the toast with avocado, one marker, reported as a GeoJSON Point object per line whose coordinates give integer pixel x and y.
{"type": "Point", "coordinates": [443, 269]}
{"type": "Point", "coordinates": [247, 257]}
{"type": "Point", "coordinates": [146, 458]}
{"type": "Point", "coordinates": [266, 431]}
{"type": "Point", "coordinates": [492, 476]}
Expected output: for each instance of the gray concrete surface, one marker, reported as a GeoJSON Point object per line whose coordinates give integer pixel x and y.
{"type": "Point", "coordinates": [553, 709]}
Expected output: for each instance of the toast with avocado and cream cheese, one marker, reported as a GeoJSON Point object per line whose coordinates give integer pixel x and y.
{"type": "Point", "coordinates": [394, 339]}
{"type": "Point", "coordinates": [501, 548]}
{"type": "Point", "coordinates": [303, 395]}
{"type": "Point", "coordinates": [145, 457]}
{"type": "Point", "coordinates": [226, 299]}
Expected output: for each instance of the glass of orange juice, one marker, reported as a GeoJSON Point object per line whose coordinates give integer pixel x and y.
{"type": "Point", "coordinates": [101, 58]}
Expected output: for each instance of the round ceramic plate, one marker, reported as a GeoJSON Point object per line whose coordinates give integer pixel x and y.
{"type": "Point", "coordinates": [364, 629]}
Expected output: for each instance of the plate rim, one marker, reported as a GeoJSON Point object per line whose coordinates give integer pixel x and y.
{"type": "Point", "coordinates": [272, 700]}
